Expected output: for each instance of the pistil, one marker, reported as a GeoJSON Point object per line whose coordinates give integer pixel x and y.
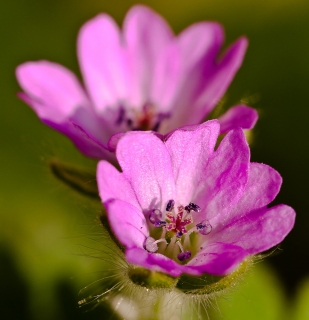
{"type": "Point", "coordinates": [177, 225]}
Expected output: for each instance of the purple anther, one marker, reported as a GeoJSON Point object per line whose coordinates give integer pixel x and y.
{"type": "Point", "coordinates": [192, 206]}
{"type": "Point", "coordinates": [184, 255]}
{"type": "Point", "coordinates": [150, 245]}
{"type": "Point", "coordinates": [160, 118]}
{"type": "Point", "coordinates": [204, 227]}
{"type": "Point", "coordinates": [179, 234]}
{"type": "Point", "coordinates": [129, 123]}
{"type": "Point", "coordinates": [170, 205]}
{"type": "Point", "coordinates": [160, 224]}
{"type": "Point", "coordinates": [155, 216]}
{"type": "Point", "coordinates": [121, 116]}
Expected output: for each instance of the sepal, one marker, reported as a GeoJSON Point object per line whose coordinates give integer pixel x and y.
{"type": "Point", "coordinates": [208, 284]}
{"type": "Point", "coordinates": [78, 179]}
{"type": "Point", "coordinates": [151, 279]}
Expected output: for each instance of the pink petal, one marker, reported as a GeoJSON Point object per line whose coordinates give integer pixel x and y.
{"type": "Point", "coordinates": [222, 75]}
{"type": "Point", "coordinates": [154, 261]}
{"type": "Point", "coordinates": [208, 87]}
{"type": "Point", "coordinates": [190, 151]}
{"type": "Point", "coordinates": [260, 229]}
{"type": "Point", "coordinates": [200, 42]}
{"type": "Point", "coordinates": [167, 75]}
{"type": "Point", "coordinates": [146, 164]}
{"type": "Point", "coordinates": [103, 62]}
{"type": "Point", "coordinates": [195, 47]}
{"type": "Point", "coordinates": [113, 141]}
{"type": "Point", "coordinates": [218, 259]}
{"type": "Point", "coordinates": [128, 223]}
{"type": "Point", "coordinates": [52, 90]}
{"type": "Point", "coordinates": [146, 36]}
{"type": "Point", "coordinates": [59, 100]}
{"type": "Point", "coordinates": [263, 185]}
{"type": "Point", "coordinates": [224, 179]}
{"type": "Point", "coordinates": [113, 185]}
{"type": "Point", "coordinates": [83, 140]}
{"type": "Point", "coordinates": [238, 116]}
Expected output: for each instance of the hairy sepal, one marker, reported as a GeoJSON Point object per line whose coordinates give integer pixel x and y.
{"type": "Point", "coordinates": [78, 179]}
{"type": "Point", "coordinates": [207, 285]}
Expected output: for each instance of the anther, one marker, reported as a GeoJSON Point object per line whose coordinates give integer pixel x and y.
{"type": "Point", "coordinates": [160, 224]}
{"type": "Point", "coordinates": [151, 245]}
{"type": "Point", "coordinates": [192, 206]}
{"type": "Point", "coordinates": [179, 234]}
{"type": "Point", "coordinates": [121, 116]}
{"type": "Point", "coordinates": [170, 205]}
{"type": "Point", "coordinates": [155, 217]}
{"type": "Point", "coordinates": [184, 256]}
{"type": "Point", "coordinates": [204, 227]}
{"type": "Point", "coordinates": [160, 118]}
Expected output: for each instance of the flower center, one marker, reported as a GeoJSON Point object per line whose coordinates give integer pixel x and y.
{"type": "Point", "coordinates": [176, 230]}
{"type": "Point", "coordinates": [145, 119]}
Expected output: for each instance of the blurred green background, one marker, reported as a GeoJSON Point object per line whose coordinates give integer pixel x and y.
{"type": "Point", "coordinates": [45, 227]}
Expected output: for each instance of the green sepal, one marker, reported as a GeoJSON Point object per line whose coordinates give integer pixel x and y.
{"type": "Point", "coordinates": [151, 279]}
{"type": "Point", "coordinates": [80, 180]}
{"type": "Point", "coordinates": [193, 285]}
{"type": "Point", "coordinates": [209, 284]}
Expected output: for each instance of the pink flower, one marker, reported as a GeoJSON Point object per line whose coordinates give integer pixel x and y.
{"type": "Point", "coordinates": [143, 78]}
{"type": "Point", "coordinates": [179, 206]}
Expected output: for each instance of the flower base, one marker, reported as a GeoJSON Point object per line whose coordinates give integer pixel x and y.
{"type": "Point", "coordinates": [193, 285]}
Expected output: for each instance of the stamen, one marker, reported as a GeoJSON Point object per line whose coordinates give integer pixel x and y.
{"type": "Point", "coordinates": [204, 227]}
{"type": "Point", "coordinates": [155, 217]}
{"type": "Point", "coordinates": [170, 205]}
{"type": "Point", "coordinates": [160, 224]}
{"type": "Point", "coordinates": [180, 246]}
{"type": "Point", "coordinates": [176, 223]}
{"type": "Point", "coordinates": [163, 233]}
{"type": "Point", "coordinates": [170, 248]}
{"type": "Point", "coordinates": [121, 116]}
{"type": "Point", "coordinates": [150, 244]}
{"type": "Point", "coordinates": [184, 256]}
{"type": "Point", "coordinates": [179, 234]}
{"type": "Point", "coordinates": [129, 123]}
{"type": "Point", "coordinates": [192, 206]}
{"type": "Point", "coordinates": [161, 240]}
{"type": "Point", "coordinates": [160, 117]}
